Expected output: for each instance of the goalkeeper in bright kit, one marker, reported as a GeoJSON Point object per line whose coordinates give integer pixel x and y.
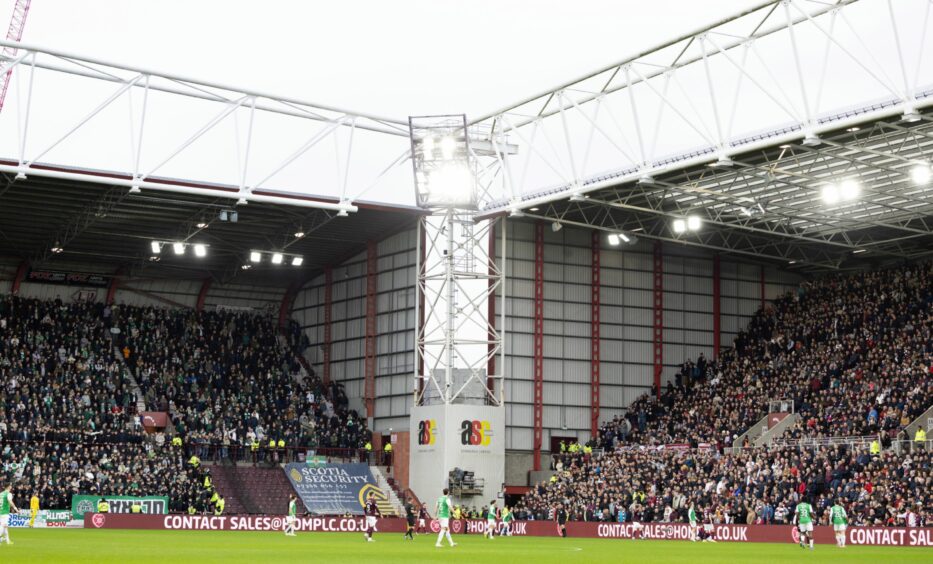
{"type": "Point", "coordinates": [837, 514]}
{"type": "Point", "coordinates": [33, 509]}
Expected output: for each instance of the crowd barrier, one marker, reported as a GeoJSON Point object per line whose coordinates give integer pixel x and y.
{"type": "Point", "coordinates": [876, 536]}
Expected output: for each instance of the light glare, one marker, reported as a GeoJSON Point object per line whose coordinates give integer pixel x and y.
{"type": "Point", "coordinates": [680, 226]}
{"type": "Point", "coordinates": [921, 174]}
{"type": "Point", "coordinates": [277, 258]}
{"type": "Point", "coordinates": [179, 248]}
{"type": "Point", "coordinates": [255, 256]}
{"type": "Point", "coordinates": [830, 194]}
{"type": "Point", "coordinates": [200, 250]}
{"type": "Point", "coordinates": [694, 222]}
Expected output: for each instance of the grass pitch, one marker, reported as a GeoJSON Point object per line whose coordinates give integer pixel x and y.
{"type": "Point", "coordinates": [98, 546]}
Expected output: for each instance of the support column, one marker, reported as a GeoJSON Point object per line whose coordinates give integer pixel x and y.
{"type": "Point", "coordinates": [20, 276]}
{"type": "Point", "coordinates": [658, 347]}
{"type": "Point", "coordinates": [538, 352]}
{"type": "Point", "coordinates": [491, 313]}
{"type": "Point", "coordinates": [370, 359]}
{"type": "Point", "coordinates": [594, 334]}
{"type": "Point", "coordinates": [114, 284]}
{"type": "Point", "coordinates": [328, 308]}
{"type": "Point", "coordinates": [422, 257]}
{"type": "Point", "coordinates": [717, 303]}
{"type": "Point", "coordinates": [202, 295]}
{"type": "Point", "coordinates": [761, 277]}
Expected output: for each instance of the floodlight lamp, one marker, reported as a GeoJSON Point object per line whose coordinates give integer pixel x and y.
{"type": "Point", "coordinates": [921, 174]}
{"type": "Point", "coordinates": [200, 250]}
{"type": "Point", "coordinates": [694, 222]}
{"type": "Point", "coordinates": [723, 162]}
{"type": "Point", "coordinates": [135, 189]}
{"type": "Point", "coordinates": [625, 238]}
{"type": "Point", "coordinates": [448, 146]}
{"type": "Point", "coordinates": [849, 190]}
{"type": "Point", "coordinates": [277, 258]}
{"type": "Point", "coordinates": [297, 261]}
{"type": "Point", "coordinates": [179, 248]}
{"type": "Point", "coordinates": [246, 267]}
{"type": "Point", "coordinates": [556, 226]}
{"type": "Point", "coordinates": [679, 226]}
{"type": "Point", "coordinates": [255, 256]}
{"type": "Point", "coordinates": [202, 225]}
{"type": "Point", "coordinates": [223, 215]}
{"type": "Point", "coordinates": [830, 194]}
{"type": "Point", "coordinates": [646, 179]}
{"type": "Point", "coordinates": [234, 216]}
{"type": "Point", "coordinates": [156, 247]}
{"type": "Point", "coordinates": [452, 184]}
{"type": "Point", "coordinates": [427, 148]}
{"type": "Point", "coordinates": [613, 239]}
{"type": "Point", "coordinates": [812, 140]}
{"type": "Point", "coordinates": [299, 234]}
{"type": "Point", "coordinates": [911, 115]}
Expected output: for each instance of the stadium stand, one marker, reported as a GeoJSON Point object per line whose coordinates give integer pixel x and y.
{"type": "Point", "coordinates": [68, 419]}
{"type": "Point", "coordinates": [854, 354]}
{"type": "Point", "coordinates": [229, 378]}
{"type": "Point", "coordinates": [756, 486]}
{"type": "Point", "coordinates": [851, 352]}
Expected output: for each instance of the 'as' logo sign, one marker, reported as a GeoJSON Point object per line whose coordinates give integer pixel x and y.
{"type": "Point", "coordinates": [427, 432]}
{"type": "Point", "coordinates": [475, 433]}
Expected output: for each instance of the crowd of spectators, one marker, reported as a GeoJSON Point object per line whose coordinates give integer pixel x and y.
{"type": "Point", "coordinates": [231, 378]}
{"type": "Point", "coordinates": [68, 406]}
{"type": "Point", "coordinates": [757, 486]}
{"type": "Point", "coordinates": [853, 353]}
{"type": "Point", "coordinates": [854, 356]}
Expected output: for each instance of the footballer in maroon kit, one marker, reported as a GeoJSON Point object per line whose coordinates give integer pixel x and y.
{"type": "Point", "coordinates": [372, 511]}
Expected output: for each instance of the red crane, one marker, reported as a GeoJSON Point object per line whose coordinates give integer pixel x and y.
{"type": "Point", "coordinates": [14, 33]}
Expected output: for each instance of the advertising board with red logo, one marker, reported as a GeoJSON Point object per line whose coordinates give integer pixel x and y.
{"type": "Point", "coordinates": [877, 536]}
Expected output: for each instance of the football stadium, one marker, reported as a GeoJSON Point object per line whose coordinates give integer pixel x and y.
{"type": "Point", "coordinates": [444, 281]}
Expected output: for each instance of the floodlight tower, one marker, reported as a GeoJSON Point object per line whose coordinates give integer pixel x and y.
{"type": "Point", "coordinates": [458, 417]}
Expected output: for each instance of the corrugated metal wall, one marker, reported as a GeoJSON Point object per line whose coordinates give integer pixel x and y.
{"type": "Point", "coordinates": [395, 325]}
{"type": "Point", "coordinates": [626, 324]}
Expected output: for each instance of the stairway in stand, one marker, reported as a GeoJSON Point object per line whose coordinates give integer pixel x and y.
{"type": "Point", "coordinates": [252, 490]}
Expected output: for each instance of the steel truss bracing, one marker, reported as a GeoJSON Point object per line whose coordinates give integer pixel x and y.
{"type": "Point", "coordinates": [458, 275]}
{"type": "Point", "coordinates": [267, 142]}
{"type": "Point", "coordinates": [741, 123]}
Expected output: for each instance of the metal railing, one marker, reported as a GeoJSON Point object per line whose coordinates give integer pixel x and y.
{"type": "Point", "coordinates": [816, 442]}
{"type": "Point", "coordinates": [264, 454]}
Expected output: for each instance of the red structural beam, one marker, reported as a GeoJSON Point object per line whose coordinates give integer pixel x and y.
{"type": "Point", "coordinates": [114, 284]}
{"type": "Point", "coordinates": [202, 294]}
{"type": "Point", "coordinates": [20, 276]}
{"type": "Point", "coordinates": [761, 277]}
{"type": "Point", "coordinates": [370, 359]}
{"type": "Point", "coordinates": [717, 302]}
{"type": "Point", "coordinates": [658, 309]}
{"type": "Point", "coordinates": [491, 312]}
{"type": "Point", "coordinates": [328, 308]}
{"type": "Point", "coordinates": [538, 352]}
{"type": "Point", "coordinates": [594, 334]}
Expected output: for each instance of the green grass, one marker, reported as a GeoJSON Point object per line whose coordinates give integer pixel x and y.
{"type": "Point", "coordinates": [77, 545]}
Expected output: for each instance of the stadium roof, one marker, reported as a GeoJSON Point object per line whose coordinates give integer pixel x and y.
{"type": "Point", "coordinates": [782, 99]}
{"type": "Point", "coordinates": [106, 225]}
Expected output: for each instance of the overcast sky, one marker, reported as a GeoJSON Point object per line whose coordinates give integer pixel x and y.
{"type": "Point", "coordinates": [390, 57]}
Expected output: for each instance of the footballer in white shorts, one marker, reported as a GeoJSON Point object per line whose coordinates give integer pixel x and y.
{"type": "Point", "coordinates": [445, 522]}
{"type": "Point", "coordinates": [839, 528]}
{"type": "Point", "coordinates": [371, 522]}
{"type": "Point", "coordinates": [805, 527]}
